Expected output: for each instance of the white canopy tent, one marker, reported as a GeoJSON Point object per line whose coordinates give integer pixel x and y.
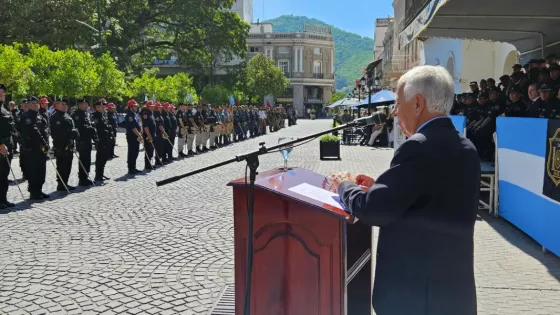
{"type": "Point", "coordinates": [529, 26]}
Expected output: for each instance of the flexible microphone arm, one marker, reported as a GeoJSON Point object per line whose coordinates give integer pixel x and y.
{"type": "Point", "coordinates": [263, 150]}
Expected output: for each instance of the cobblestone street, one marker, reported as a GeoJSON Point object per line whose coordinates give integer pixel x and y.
{"type": "Point", "coordinates": [130, 247]}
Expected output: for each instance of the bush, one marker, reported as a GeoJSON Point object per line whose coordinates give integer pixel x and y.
{"type": "Point", "coordinates": [330, 138]}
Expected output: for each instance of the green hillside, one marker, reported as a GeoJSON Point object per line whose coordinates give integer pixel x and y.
{"type": "Point", "coordinates": [352, 52]}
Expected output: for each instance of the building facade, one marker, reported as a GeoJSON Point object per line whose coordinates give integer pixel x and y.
{"type": "Point", "coordinates": [245, 9]}
{"type": "Point", "coordinates": [381, 26]}
{"type": "Point", "coordinates": [306, 58]}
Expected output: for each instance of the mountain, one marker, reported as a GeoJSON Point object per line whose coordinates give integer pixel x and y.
{"type": "Point", "coordinates": [352, 52]}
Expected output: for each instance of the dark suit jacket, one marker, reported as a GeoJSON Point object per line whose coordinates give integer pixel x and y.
{"type": "Point", "coordinates": [426, 207]}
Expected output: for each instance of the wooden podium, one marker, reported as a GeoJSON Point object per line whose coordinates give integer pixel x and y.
{"type": "Point", "coordinates": [310, 257]}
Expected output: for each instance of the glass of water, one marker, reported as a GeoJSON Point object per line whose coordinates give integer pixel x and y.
{"type": "Point", "coordinates": [285, 151]}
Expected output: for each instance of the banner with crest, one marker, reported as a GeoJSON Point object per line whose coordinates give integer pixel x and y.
{"type": "Point", "coordinates": [551, 185]}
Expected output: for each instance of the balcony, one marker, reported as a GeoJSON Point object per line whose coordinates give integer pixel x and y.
{"type": "Point", "coordinates": [318, 75]}
{"type": "Point", "coordinates": [287, 74]}
{"type": "Point", "coordinates": [288, 36]}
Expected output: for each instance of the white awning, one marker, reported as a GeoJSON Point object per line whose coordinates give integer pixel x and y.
{"type": "Point", "coordinates": [529, 26]}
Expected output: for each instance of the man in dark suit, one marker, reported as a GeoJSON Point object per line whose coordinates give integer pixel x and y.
{"type": "Point", "coordinates": [425, 206]}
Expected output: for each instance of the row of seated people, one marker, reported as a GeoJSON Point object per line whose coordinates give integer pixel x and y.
{"type": "Point", "coordinates": [532, 90]}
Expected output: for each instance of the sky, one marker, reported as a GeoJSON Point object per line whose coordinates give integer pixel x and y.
{"type": "Point", "coordinates": [352, 16]}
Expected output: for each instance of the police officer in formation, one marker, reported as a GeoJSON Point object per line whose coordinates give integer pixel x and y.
{"type": "Point", "coordinates": [200, 130]}
{"type": "Point", "coordinates": [84, 145]}
{"type": "Point", "coordinates": [7, 131]}
{"type": "Point", "coordinates": [63, 133]}
{"type": "Point", "coordinates": [34, 129]}
{"type": "Point", "coordinates": [113, 121]}
{"type": "Point", "coordinates": [133, 136]}
{"type": "Point", "coordinates": [104, 139]}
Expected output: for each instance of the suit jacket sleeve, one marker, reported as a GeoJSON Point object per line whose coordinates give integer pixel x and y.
{"type": "Point", "coordinates": [394, 192]}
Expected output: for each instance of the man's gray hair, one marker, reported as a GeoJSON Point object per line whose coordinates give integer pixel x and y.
{"type": "Point", "coordinates": [433, 83]}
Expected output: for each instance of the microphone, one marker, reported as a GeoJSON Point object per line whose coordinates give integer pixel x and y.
{"type": "Point", "coordinates": [374, 119]}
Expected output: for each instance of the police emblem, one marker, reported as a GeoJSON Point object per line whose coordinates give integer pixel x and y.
{"type": "Point", "coordinates": [553, 159]}
{"type": "Point", "coordinates": [28, 121]}
{"type": "Point", "coordinates": [145, 116]}
{"type": "Point", "coordinates": [130, 119]}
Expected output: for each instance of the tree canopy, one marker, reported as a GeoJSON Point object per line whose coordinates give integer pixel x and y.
{"type": "Point", "coordinates": [263, 78]}
{"type": "Point", "coordinates": [35, 69]}
{"type": "Point", "coordinates": [135, 32]}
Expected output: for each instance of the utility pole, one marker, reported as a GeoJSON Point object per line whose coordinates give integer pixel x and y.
{"type": "Point", "coordinates": [99, 29]}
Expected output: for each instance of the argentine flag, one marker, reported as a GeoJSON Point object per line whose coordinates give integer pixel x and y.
{"type": "Point", "coordinates": [231, 100]}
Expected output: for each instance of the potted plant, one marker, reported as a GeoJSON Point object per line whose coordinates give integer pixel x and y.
{"type": "Point", "coordinates": [329, 147]}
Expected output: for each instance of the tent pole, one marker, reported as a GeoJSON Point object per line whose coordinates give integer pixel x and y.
{"type": "Point", "coordinates": [542, 45]}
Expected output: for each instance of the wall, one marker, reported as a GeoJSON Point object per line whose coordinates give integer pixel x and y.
{"type": "Point", "coordinates": [447, 53]}
{"type": "Point", "coordinates": [483, 60]}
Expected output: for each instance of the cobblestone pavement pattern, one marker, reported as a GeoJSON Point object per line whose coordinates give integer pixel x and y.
{"type": "Point", "coordinates": [129, 247]}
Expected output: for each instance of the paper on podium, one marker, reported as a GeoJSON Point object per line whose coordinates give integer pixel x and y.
{"type": "Point", "coordinates": [318, 194]}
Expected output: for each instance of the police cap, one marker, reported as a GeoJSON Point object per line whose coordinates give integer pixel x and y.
{"type": "Point", "coordinates": [81, 100]}
{"type": "Point", "coordinates": [98, 103]}
{"type": "Point", "coordinates": [32, 99]}
{"type": "Point", "coordinates": [544, 88]}
{"type": "Point", "coordinates": [517, 66]}
{"type": "Point", "coordinates": [516, 89]}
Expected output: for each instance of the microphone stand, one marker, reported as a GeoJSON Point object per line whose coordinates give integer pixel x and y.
{"type": "Point", "coordinates": [252, 159]}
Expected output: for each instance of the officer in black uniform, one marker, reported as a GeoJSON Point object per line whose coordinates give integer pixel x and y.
{"type": "Point", "coordinates": [517, 107]}
{"type": "Point", "coordinates": [112, 117]}
{"type": "Point", "coordinates": [16, 117]}
{"type": "Point", "coordinates": [64, 133]}
{"type": "Point", "coordinates": [88, 134]}
{"type": "Point", "coordinates": [200, 138]}
{"type": "Point", "coordinates": [34, 134]}
{"type": "Point", "coordinates": [18, 126]}
{"type": "Point", "coordinates": [44, 111]}
{"type": "Point", "coordinates": [104, 138]}
{"type": "Point", "coordinates": [133, 136]}
{"type": "Point", "coordinates": [173, 129]}
{"type": "Point", "coordinates": [547, 106]}
{"type": "Point", "coordinates": [149, 130]}
{"type": "Point", "coordinates": [159, 136]}
{"type": "Point", "coordinates": [6, 148]}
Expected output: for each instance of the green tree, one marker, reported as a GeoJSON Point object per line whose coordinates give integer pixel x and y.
{"type": "Point", "coordinates": [216, 95]}
{"type": "Point", "coordinates": [74, 74]}
{"type": "Point", "coordinates": [264, 77]}
{"type": "Point", "coordinates": [146, 84]}
{"type": "Point", "coordinates": [42, 65]}
{"type": "Point", "coordinates": [14, 70]}
{"type": "Point", "coordinates": [337, 97]}
{"type": "Point", "coordinates": [111, 80]}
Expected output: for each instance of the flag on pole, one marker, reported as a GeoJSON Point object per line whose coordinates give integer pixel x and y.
{"type": "Point", "coordinates": [145, 98]}
{"type": "Point", "coordinates": [154, 96]}
{"type": "Point", "coordinates": [231, 100]}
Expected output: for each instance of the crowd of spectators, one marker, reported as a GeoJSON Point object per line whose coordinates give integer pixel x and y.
{"type": "Point", "coordinates": [532, 90]}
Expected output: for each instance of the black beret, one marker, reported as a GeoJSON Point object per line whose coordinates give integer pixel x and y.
{"type": "Point", "coordinates": [516, 89]}
{"type": "Point", "coordinates": [81, 100]}
{"type": "Point", "coordinates": [544, 88]}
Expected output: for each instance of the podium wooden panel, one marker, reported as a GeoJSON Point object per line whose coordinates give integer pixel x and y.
{"type": "Point", "coordinates": [305, 251]}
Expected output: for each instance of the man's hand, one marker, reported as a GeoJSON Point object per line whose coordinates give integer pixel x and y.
{"type": "Point", "coordinates": [149, 138]}
{"type": "Point", "coordinates": [365, 181]}
{"type": "Point", "coordinates": [337, 178]}
{"type": "Point", "coordinates": [3, 149]}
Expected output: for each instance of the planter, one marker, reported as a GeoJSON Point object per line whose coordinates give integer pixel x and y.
{"type": "Point", "coordinates": [329, 150]}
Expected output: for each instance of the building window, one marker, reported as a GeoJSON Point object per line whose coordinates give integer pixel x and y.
{"type": "Point", "coordinates": [298, 59]}
{"type": "Point", "coordinates": [284, 65]}
{"type": "Point", "coordinates": [284, 50]}
{"type": "Point", "coordinates": [269, 52]}
{"type": "Point", "coordinates": [317, 51]}
{"type": "Point", "coordinates": [317, 69]}
{"type": "Point", "coordinates": [253, 49]}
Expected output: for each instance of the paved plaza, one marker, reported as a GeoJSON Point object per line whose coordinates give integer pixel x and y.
{"type": "Point", "coordinates": [130, 247]}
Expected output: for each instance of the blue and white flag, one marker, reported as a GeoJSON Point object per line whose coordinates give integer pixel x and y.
{"type": "Point", "coordinates": [231, 100]}
{"type": "Point", "coordinates": [145, 98]}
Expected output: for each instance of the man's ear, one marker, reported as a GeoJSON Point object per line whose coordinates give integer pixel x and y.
{"type": "Point", "coordinates": [420, 104]}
